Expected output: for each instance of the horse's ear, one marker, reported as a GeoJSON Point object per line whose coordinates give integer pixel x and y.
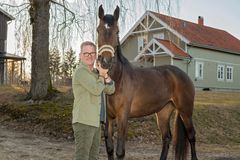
{"type": "Point", "coordinates": [100, 12]}
{"type": "Point", "coordinates": [116, 13]}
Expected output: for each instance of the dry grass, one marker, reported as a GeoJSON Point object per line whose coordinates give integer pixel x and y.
{"type": "Point", "coordinates": [10, 93]}
{"type": "Point", "coordinates": [219, 98]}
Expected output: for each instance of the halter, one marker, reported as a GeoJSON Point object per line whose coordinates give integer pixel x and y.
{"type": "Point", "coordinates": [106, 48]}
{"type": "Point", "coordinates": [109, 48]}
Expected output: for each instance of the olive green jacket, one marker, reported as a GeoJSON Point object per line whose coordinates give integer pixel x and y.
{"type": "Point", "coordinates": [87, 89]}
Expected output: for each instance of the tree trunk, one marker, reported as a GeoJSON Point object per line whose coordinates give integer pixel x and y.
{"type": "Point", "coordinates": [40, 75]}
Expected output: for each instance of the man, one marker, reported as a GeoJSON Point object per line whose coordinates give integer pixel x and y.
{"type": "Point", "coordinates": [87, 87]}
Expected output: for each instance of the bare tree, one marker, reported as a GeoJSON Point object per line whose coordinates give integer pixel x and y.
{"type": "Point", "coordinates": [40, 75]}
{"type": "Point", "coordinates": [39, 19]}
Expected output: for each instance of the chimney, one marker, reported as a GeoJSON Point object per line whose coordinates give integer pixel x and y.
{"type": "Point", "coordinates": [200, 20]}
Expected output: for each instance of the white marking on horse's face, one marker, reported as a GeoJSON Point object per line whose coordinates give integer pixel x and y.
{"type": "Point", "coordinates": [107, 26]}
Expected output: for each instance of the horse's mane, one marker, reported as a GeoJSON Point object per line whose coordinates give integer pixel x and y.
{"type": "Point", "coordinates": [121, 57]}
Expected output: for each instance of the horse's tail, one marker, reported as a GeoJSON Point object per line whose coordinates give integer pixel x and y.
{"type": "Point", "coordinates": [180, 140]}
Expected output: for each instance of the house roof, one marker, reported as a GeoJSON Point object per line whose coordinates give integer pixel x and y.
{"type": "Point", "coordinates": [173, 48]}
{"type": "Point", "coordinates": [7, 14]}
{"type": "Point", "coordinates": [5, 55]}
{"type": "Point", "coordinates": [202, 35]}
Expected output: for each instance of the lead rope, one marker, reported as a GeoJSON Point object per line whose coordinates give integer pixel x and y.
{"type": "Point", "coordinates": [106, 124]}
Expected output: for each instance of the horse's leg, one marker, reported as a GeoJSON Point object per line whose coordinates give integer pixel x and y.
{"type": "Point", "coordinates": [187, 120]}
{"type": "Point", "coordinates": [108, 134]}
{"type": "Point", "coordinates": [121, 135]}
{"type": "Point", "coordinates": [163, 119]}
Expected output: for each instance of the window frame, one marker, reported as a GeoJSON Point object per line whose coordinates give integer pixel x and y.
{"type": "Point", "coordinates": [199, 75]}
{"type": "Point", "coordinates": [221, 70]}
{"type": "Point", "coordinates": [142, 41]}
{"type": "Point", "coordinates": [229, 79]}
{"type": "Point", "coordinates": [5, 46]}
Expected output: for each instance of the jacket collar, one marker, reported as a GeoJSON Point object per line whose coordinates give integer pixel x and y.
{"type": "Point", "coordinates": [86, 67]}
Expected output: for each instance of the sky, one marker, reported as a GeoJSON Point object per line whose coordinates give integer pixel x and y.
{"type": "Point", "coordinates": [221, 14]}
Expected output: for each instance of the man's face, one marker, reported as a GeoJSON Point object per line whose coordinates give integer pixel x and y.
{"type": "Point", "coordinates": [88, 55]}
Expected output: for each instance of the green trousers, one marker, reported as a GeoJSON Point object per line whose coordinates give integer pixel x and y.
{"type": "Point", "coordinates": [87, 141]}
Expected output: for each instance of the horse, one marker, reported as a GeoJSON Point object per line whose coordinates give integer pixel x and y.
{"type": "Point", "coordinates": [144, 91]}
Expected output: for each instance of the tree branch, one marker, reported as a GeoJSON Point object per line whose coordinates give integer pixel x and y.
{"type": "Point", "coordinates": [21, 10]}
{"type": "Point", "coordinates": [54, 2]}
{"type": "Point", "coordinates": [14, 6]}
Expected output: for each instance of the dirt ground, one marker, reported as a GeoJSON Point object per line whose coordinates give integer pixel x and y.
{"type": "Point", "coordinates": [16, 145]}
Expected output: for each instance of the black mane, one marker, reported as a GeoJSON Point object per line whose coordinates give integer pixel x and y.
{"type": "Point", "coordinates": [121, 57]}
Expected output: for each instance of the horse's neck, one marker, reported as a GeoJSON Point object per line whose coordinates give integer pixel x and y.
{"type": "Point", "coordinates": [122, 68]}
{"type": "Point", "coordinates": [116, 71]}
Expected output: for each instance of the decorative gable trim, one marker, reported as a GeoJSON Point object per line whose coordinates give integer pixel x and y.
{"type": "Point", "coordinates": [148, 23]}
{"type": "Point", "coordinates": [149, 27]}
{"type": "Point", "coordinates": [132, 29]}
{"type": "Point", "coordinates": [146, 27]}
{"type": "Point", "coordinates": [155, 50]}
{"type": "Point", "coordinates": [170, 29]}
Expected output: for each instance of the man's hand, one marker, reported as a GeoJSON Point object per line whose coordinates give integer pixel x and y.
{"type": "Point", "coordinates": [102, 72]}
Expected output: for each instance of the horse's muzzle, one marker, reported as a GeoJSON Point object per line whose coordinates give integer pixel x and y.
{"type": "Point", "coordinates": [105, 62]}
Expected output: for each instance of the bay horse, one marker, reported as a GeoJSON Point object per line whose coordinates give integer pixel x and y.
{"type": "Point", "coordinates": [144, 91]}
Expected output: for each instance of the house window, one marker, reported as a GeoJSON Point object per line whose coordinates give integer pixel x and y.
{"type": "Point", "coordinates": [229, 73]}
{"type": "Point", "coordinates": [142, 41]}
{"type": "Point", "coordinates": [5, 45]}
{"type": "Point", "coordinates": [159, 36]}
{"type": "Point", "coordinates": [199, 70]}
{"type": "Point", "coordinates": [220, 72]}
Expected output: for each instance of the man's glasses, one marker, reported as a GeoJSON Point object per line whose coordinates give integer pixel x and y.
{"type": "Point", "coordinates": [88, 54]}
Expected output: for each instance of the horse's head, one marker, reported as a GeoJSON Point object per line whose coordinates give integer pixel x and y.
{"type": "Point", "coordinates": [107, 36]}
